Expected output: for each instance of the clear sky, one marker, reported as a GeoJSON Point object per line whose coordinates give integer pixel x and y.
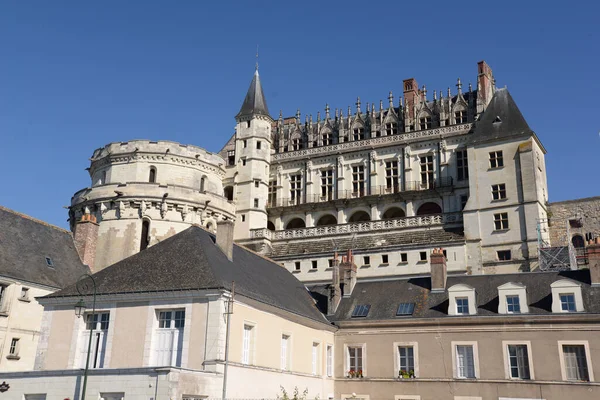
{"type": "Point", "coordinates": [76, 75]}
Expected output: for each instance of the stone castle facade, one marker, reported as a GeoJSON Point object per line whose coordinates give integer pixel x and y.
{"type": "Point", "coordinates": [460, 170]}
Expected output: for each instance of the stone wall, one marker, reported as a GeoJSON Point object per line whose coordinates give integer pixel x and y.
{"type": "Point", "coordinates": [586, 210]}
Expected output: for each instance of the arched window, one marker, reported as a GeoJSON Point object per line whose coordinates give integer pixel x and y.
{"type": "Point", "coordinates": [270, 226]}
{"type": "Point", "coordinates": [429, 208]}
{"type": "Point", "coordinates": [228, 192]}
{"type": "Point", "coordinates": [145, 239]}
{"type": "Point", "coordinates": [152, 177]}
{"type": "Point", "coordinates": [393, 212]}
{"type": "Point", "coordinates": [327, 220]}
{"type": "Point", "coordinates": [578, 241]}
{"type": "Point", "coordinates": [360, 216]}
{"type": "Point", "coordinates": [202, 180]}
{"type": "Point", "coordinates": [295, 223]}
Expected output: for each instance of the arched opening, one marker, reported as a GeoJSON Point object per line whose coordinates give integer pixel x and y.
{"type": "Point", "coordinates": [360, 216]}
{"type": "Point", "coordinates": [270, 226]}
{"type": "Point", "coordinates": [578, 241]}
{"type": "Point", "coordinates": [295, 223]}
{"type": "Point", "coordinates": [327, 220]}
{"type": "Point", "coordinates": [145, 239]}
{"type": "Point", "coordinates": [228, 192]}
{"type": "Point", "coordinates": [393, 212]}
{"type": "Point", "coordinates": [152, 176]}
{"type": "Point", "coordinates": [209, 227]}
{"type": "Point", "coordinates": [429, 208]}
{"type": "Point", "coordinates": [202, 181]}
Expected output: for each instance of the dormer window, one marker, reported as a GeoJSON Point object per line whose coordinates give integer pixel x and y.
{"type": "Point", "coordinates": [566, 296]}
{"type": "Point", "coordinates": [425, 123]}
{"type": "Point", "coordinates": [461, 300]}
{"type": "Point", "coordinates": [296, 144]}
{"type": "Point", "coordinates": [462, 305]}
{"type": "Point", "coordinates": [512, 299]}
{"type": "Point", "coordinates": [513, 305]}
{"type": "Point", "coordinates": [358, 133]}
{"type": "Point", "coordinates": [327, 139]}
{"type": "Point", "coordinates": [460, 117]}
{"type": "Point", "coordinates": [391, 129]}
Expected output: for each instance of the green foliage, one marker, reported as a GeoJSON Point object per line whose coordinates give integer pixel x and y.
{"type": "Point", "coordinates": [296, 394]}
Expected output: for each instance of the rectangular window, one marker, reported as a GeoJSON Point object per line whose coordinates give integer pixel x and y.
{"type": "Point", "coordinates": [285, 352]}
{"type": "Point", "coordinates": [231, 157]}
{"type": "Point", "coordinates": [358, 180]}
{"type": "Point", "coordinates": [513, 305]}
{"type": "Point", "coordinates": [296, 189]}
{"type": "Point", "coordinates": [168, 338]}
{"type": "Point", "coordinates": [255, 203]}
{"type": "Point", "coordinates": [256, 183]}
{"type": "Point", "coordinates": [423, 255]}
{"type": "Point", "coordinates": [391, 129]}
{"type": "Point", "coordinates": [366, 260]}
{"type": "Point", "coordinates": [244, 162]}
{"type": "Point", "coordinates": [243, 217]}
{"type": "Point", "coordinates": [425, 123]}
{"type": "Point", "coordinates": [518, 361]}
{"type": "Point", "coordinates": [501, 221]}
{"type": "Point", "coordinates": [358, 133]}
{"type": "Point", "coordinates": [2, 297]}
{"type": "Point", "coordinates": [460, 117]}
{"type": "Point", "coordinates": [361, 310]}
{"type": "Point", "coordinates": [272, 193]}
{"type": "Point", "coordinates": [462, 165]}
{"type": "Point", "coordinates": [406, 359]}
{"type": "Point", "coordinates": [327, 185]}
{"type": "Point", "coordinates": [314, 264]}
{"type": "Point", "coordinates": [499, 191]}
{"type": "Point", "coordinates": [384, 258]}
{"type": "Point", "coordinates": [248, 344]}
{"type": "Point", "coordinates": [315, 358]}
{"type": "Point", "coordinates": [567, 302]}
{"type": "Point", "coordinates": [391, 176]}
{"type": "Point", "coordinates": [245, 143]}
{"type": "Point", "coordinates": [496, 159]}
{"type": "Point", "coordinates": [575, 360]}
{"type": "Point", "coordinates": [296, 144]}
{"type": "Point", "coordinates": [427, 172]}
{"type": "Point", "coordinates": [355, 358]}
{"type": "Point", "coordinates": [465, 362]}
{"type": "Point", "coordinates": [99, 322]}
{"type": "Point", "coordinates": [14, 347]}
{"type": "Point", "coordinates": [405, 309]}
{"type": "Point", "coordinates": [404, 257]}
{"type": "Point", "coordinates": [327, 139]}
{"type": "Point", "coordinates": [297, 265]}
{"type": "Point", "coordinates": [329, 360]}
{"type": "Point", "coordinates": [462, 306]}
{"type": "Point", "coordinates": [463, 201]}
{"type": "Point", "coordinates": [330, 263]}
{"type": "Point", "coordinates": [24, 294]}
{"type": "Point", "coordinates": [258, 145]}
{"type": "Point", "coordinates": [503, 255]}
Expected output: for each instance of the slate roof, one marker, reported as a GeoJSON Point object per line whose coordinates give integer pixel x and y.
{"type": "Point", "coordinates": [371, 242]}
{"type": "Point", "coordinates": [385, 296]}
{"type": "Point", "coordinates": [501, 119]}
{"type": "Point", "coordinates": [190, 260]}
{"type": "Point", "coordinates": [254, 103]}
{"type": "Point", "coordinates": [26, 242]}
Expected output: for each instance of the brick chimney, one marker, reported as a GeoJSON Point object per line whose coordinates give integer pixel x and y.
{"type": "Point", "coordinates": [335, 291]}
{"type": "Point", "coordinates": [439, 271]}
{"type": "Point", "coordinates": [348, 269]}
{"type": "Point", "coordinates": [225, 237]}
{"type": "Point", "coordinates": [85, 237]}
{"type": "Point", "coordinates": [593, 252]}
{"type": "Point", "coordinates": [411, 97]}
{"type": "Point", "coordinates": [485, 86]}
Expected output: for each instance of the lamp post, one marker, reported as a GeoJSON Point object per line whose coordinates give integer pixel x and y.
{"type": "Point", "coordinates": [85, 284]}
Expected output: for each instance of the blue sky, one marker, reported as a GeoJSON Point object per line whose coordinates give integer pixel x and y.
{"type": "Point", "coordinates": [75, 76]}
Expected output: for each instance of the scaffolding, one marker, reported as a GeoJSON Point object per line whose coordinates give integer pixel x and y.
{"type": "Point", "coordinates": [554, 258]}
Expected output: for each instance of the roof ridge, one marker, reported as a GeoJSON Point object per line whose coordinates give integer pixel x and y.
{"type": "Point", "coordinates": [39, 221]}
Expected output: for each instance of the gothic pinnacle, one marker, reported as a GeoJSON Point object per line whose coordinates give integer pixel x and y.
{"type": "Point", "coordinates": [459, 86]}
{"type": "Point", "coordinates": [358, 105]}
{"type": "Point", "coordinates": [327, 111]}
{"type": "Point", "coordinates": [391, 99]}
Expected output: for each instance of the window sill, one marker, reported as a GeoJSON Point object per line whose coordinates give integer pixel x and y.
{"type": "Point", "coordinates": [403, 263]}
{"type": "Point", "coordinates": [25, 300]}
{"type": "Point", "coordinates": [296, 271]}
{"type": "Point", "coordinates": [3, 314]}
{"type": "Point", "coordinates": [13, 357]}
{"type": "Point", "coordinates": [495, 168]}
{"type": "Point", "coordinates": [422, 262]}
{"type": "Point", "coordinates": [366, 266]}
{"type": "Point", "coordinates": [499, 200]}
{"type": "Point", "coordinates": [383, 265]}
{"type": "Point", "coordinates": [313, 270]}
{"type": "Point", "coordinates": [500, 230]}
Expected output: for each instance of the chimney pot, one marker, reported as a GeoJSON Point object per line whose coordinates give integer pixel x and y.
{"type": "Point", "coordinates": [85, 236]}
{"type": "Point", "coordinates": [439, 272]}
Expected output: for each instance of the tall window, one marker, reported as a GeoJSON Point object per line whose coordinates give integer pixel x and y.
{"type": "Point", "coordinates": [202, 182]}
{"type": "Point", "coordinates": [296, 189]}
{"type": "Point", "coordinates": [248, 344]}
{"type": "Point", "coordinates": [391, 129]}
{"type": "Point", "coordinates": [329, 356]}
{"type": "Point", "coordinates": [501, 221]}
{"type": "Point", "coordinates": [358, 180]}
{"type": "Point", "coordinates": [14, 347]}
{"type": "Point", "coordinates": [465, 362]}
{"type": "Point", "coordinates": [460, 117]}
{"type": "Point", "coordinates": [272, 193]}
{"type": "Point", "coordinates": [518, 361]}
{"type": "Point", "coordinates": [496, 159]}
{"type": "Point", "coordinates": [499, 191]}
{"type": "Point", "coordinates": [296, 144]}
{"type": "Point", "coordinates": [231, 157]}
{"type": "Point", "coordinates": [406, 360]}
{"type": "Point", "coordinates": [152, 176]}
{"type": "Point", "coordinates": [145, 238]}
{"type": "Point", "coordinates": [576, 367]}
{"type": "Point", "coordinates": [427, 171]}
{"type": "Point", "coordinates": [391, 176]}
{"type": "Point", "coordinates": [315, 358]}
{"type": "Point", "coordinates": [462, 165]}
{"type": "Point", "coordinates": [425, 123]}
{"type": "Point", "coordinates": [327, 184]}
{"type": "Point", "coordinates": [355, 358]}
{"type": "Point", "coordinates": [285, 352]}
{"type": "Point", "coordinates": [2, 296]}
{"type": "Point", "coordinates": [358, 133]}
{"type": "Point", "coordinates": [99, 322]}
{"type": "Point", "coordinates": [327, 139]}
{"type": "Point", "coordinates": [168, 338]}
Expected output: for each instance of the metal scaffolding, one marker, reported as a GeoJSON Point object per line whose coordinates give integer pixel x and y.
{"type": "Point", "coordinates": [554, 258]}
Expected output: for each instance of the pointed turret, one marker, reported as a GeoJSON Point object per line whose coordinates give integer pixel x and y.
{"type": "Point", "coordinates": [254, 103]}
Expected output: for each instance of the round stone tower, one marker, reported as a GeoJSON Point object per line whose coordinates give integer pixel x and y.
{"type": "Point", "coordinates": [143, 192]}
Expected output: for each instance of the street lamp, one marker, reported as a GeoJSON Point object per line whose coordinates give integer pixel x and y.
{"type": "Point", "coordinates": [85, 285]}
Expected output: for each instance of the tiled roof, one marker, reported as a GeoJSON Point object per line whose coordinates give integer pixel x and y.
{"type": "Point", "coordinates": [26, 242]}
{"type": "Point", "coordinates": [254, 103]}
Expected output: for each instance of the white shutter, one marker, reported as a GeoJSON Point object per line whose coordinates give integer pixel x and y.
{"type": "Point", "coordinates": [246, 345]}
{"type": "Point", "coordinates": [315, 349]}
{"type": "Point", "coordinates": [284, 343]}
{"type": "Point", "coordinates": [163, 350]}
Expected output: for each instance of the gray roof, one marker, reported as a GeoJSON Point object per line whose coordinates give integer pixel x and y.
{"type": "Point", "coordinates": [26, 242]}
{"type": "Point", "coordinates": [501, 119]}
{"type": "Point", "coordinates": [190, 260]}
{"type": "Point", "coordinates": [385, 296]}
{"type": "Point", "coordinates": [254, 103]}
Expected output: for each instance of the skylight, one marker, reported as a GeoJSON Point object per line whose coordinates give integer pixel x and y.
{"type": "Point", "coordinates": [361, 310]}
{"type": "Point", "coordinates": [405, 309]}
{"type": "Point", "coordinates": [49, 262]}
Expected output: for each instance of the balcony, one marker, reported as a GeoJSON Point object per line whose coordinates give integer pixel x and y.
{"type": "Point", "coordinates": [358, 227]}
{"type": "Point", "coordinates": [409, 187]}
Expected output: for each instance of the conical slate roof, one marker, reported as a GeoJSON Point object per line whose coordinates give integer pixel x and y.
{"type": "Point", "coordinates": [254, 103]}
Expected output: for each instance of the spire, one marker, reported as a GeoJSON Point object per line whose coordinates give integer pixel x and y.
{"type": "Point", "coordinates": [391, 99]}
{"type": "Point", "coordinates": [254, 103]}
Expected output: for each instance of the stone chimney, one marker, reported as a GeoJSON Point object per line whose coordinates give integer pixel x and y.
{"type": "Point", "coordinates": [485, 86]}
{"type": "Point", "coordinates": [335, 291]}
{"type": "Point", "coordinates": [438, 270]}
{"type": "Point", "coordinates": [593, 252]}
{"type": "Point", "coordinates": [85, 237]}
{"type": "Point", "coordinates": [348, 269]}
{"type": "Point", "coordinates": [411, 97]}
{"type": "Point", "coordinates": [225, 237]}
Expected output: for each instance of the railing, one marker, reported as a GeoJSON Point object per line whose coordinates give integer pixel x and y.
{"type": "Point", "coordinates": [367, 226]}
{"type": "Point", "coordinates": [409, 186]}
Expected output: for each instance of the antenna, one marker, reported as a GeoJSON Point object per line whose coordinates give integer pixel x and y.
{"type": "Point", "coordinates": [257, 57]}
